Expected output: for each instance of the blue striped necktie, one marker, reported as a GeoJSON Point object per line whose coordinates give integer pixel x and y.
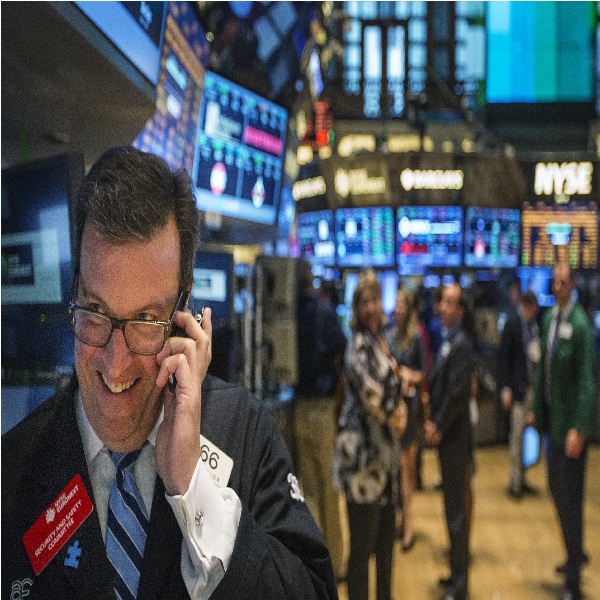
{"type": "Point", "coordinates": [126, 527]}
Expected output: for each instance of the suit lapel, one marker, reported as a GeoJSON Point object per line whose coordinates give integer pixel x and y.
{"type": "Point", "coordinates": [63, 459]}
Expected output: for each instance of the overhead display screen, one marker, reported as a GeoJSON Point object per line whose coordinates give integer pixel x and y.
{"type": "Point", "coordinates": [316, 237]}
{"type": "Point", "coordinates": [564, 233]}
{"type": "Point", "coordinates": [429, 236]}
{"type": "Point", "coordinates": [240, 147]}
{"type": "Point", "coordinates": [365, 237]}
{"type": "Point", "coordinates": [492, 237]}
{"type": "Point", "coordinates": [540, 51]}
{"type": "Point", "coordinates": [171, 131]}
{"type": "Point", "coordinates": [136, 28]}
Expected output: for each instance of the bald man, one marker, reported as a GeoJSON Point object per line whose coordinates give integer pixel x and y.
{"type": "Point", "coordinates": [563, 409]}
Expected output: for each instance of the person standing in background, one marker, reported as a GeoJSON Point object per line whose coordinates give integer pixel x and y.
{"type": "Point", "coordinates": [518, 356]}
{"type": "Point", "coordinates": [406, 346]}
{"type": "Point", "coordinates": [563, 412]}
{"type": "Point", "coordinates": [449, 428]}
{"type": "Point", "coordinates": [321, 346]}
{"type": "Point", "coordinates": [372, 419]}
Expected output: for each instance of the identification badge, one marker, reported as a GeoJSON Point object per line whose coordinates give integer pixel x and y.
{"type": "Point", "coordinates": [565, 331]}
{"type": "Point", "coordinates": [58, 523]}
{"type": "Point", "coordinates": [445, 349]}
{"type": "Point", "coordinates": [217, 463]}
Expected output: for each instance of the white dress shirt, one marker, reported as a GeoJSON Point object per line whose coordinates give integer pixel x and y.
{"type": "Point", "coordinates": [206, 548]}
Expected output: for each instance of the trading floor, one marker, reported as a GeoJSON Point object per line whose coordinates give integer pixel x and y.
{"type": "Point", "coordinates": [515, 545]}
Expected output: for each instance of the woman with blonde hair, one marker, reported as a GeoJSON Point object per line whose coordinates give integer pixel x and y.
{"type": "Point", "coordinates": [407, 347]}
{"type": "Point", "coordinates": [372, 419]}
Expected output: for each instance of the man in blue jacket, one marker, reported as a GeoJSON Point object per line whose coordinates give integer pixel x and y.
{"type": "Point", "coordinates": [563, 407]}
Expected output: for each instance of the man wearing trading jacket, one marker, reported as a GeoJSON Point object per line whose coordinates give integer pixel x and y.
{"type": "Point", "coordinates": [563, 408]}
{"type": "Point", "coordinates": [108, 489]}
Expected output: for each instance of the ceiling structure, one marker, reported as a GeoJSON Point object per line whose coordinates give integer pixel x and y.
{"type": "Point", "coordinates": [65, 88]}
{"type": "Point", "coordinates": [61, 91]}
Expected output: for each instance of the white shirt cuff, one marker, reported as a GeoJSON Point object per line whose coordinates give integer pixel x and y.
{"type": "Point", "coordinates": [208, 517]}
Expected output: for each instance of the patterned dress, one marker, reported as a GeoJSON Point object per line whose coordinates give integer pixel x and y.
{"type": "Point", "coordinates": [365, 464]}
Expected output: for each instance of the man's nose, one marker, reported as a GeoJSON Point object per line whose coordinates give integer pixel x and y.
{"type": "Point", "coordinates": [118, 353]}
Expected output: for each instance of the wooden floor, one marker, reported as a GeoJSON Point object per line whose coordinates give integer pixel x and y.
{"type": "Point", "coordinates": [515, 546]}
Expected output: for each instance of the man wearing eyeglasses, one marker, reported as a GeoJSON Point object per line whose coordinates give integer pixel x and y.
{"type": "Point", "coordinates": [108, 489]}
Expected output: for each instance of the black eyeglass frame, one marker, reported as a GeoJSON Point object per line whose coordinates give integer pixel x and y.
{"type": "Point", "coordinates": [121, 323]}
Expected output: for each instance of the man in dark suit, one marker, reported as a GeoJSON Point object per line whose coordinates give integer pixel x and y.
{"type": "Point", "coordinates": [145, 478]}
{"type": "Point", "coordinates": [517, 357]}
{"type": "Point", "coordinates": [563, 412]}
{"type": "Point", "coordinates": [449, 428]}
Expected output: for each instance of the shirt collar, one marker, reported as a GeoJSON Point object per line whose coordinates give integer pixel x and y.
{"type": "Point", "coordinates": [92, 444]}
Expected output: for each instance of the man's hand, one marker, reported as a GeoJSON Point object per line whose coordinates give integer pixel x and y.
{"type": "Point", "coordinates": [432, 434]}
{"type": "Point", "coordinates": [506, 398]}
{"type": "Point", "coordinates": [574, 444]}
{"type": "Point", "coordinates": [398, 419]}
{"type": "Point", "coordinates": [178, 438]}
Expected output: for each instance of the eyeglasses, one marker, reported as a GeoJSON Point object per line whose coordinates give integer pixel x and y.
{"type": "Point", "coordinates": [142, 337]}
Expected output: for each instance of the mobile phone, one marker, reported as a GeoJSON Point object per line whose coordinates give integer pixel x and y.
{"type": "Point", "coordinates": [179, 332]}
{"type": "Point", "coordinates": [180, 305]}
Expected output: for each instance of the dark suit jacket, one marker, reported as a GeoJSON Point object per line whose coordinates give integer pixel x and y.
{"type": "Point", "coordinates": [278, 552]}
{"type": "Point", "coordinates": [450, 388]}
{"type": "Point", "coordinates": [512, 359]}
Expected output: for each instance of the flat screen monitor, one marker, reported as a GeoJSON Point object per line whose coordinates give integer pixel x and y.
{"type": "Point", "coordinates": [171, 131]}
{"type": "Point", "coordinates": [37, 340]}
{"type": "Point", "coordinates": [540, 52]}
{"type": "Point", "coordinates": [492, 237]}
{"type": "Point", "coordinates": [429, 236]}
{"type": "Point", "coordinates": [559, 233]}
{"type": "Point", "coordinates": [213, 285]}
{"type": "Point", "coordinates": [136, 29]}
{"type": "Point", "coordinates": [365, 237]}
{"type": "Point", "coordinates": [240, 147]}
{"type": "Point", "coordinates": [316, 237]}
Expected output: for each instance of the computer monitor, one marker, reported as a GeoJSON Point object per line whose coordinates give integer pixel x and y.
{"type": "Point", "coordinates": [365, 237]}
{"type": "Point", "coordinates": [492, 237]}
{"type": "Point", "coordinates": [316, 237]}
{"type": "Point", "coordinates": [429, 236]}
{"type": "Point", "coordinates": [240, 148]}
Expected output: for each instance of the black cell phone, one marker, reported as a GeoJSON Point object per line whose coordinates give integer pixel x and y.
{"type": "Point", "coordinates": [178, 331]}
{"type": "Point", "coordinates": [180, 305]}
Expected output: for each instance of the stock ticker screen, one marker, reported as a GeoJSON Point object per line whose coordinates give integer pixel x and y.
{"type": "Point", "coordinates": [428, 236]}
{"type": "Point", "coordinates": [316, 237]}
{"type": "Point", "coordinates": [560, 233]}
{"type": "Point", "coordinates": [365, 237]}
{"type": "Point", "coordinates": [492, 237]}
{"type": "Point", "coordinates": [240, 148]}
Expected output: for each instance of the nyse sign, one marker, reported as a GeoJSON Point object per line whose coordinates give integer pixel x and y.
{"type": "Point", "coordinates": [565, 178]}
